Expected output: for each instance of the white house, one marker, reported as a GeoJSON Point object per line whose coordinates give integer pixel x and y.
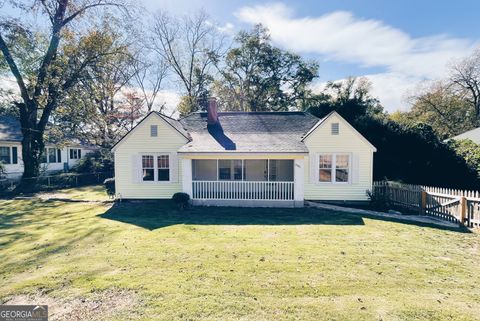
{"type": "Point", "coordinates": [55, 158]}
{"type": "Point", "coordinates": [244, 158]}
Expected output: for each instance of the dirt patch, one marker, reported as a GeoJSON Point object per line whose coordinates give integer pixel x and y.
{"type": "Point", "coordinates": [104, 305]}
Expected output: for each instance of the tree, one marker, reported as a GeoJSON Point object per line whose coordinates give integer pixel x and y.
{"type": "Point", "coordinates": [257, 76]}
{"type": "Point", "coordinates": [439, 105]}
{"type": "Point", "coordinates": [44, 85]}
{"type": "Point", "coordinates": [465, 76]}
{"type": "Point", "coordinates": [350, 97]}
{"type": "Point", "coordinates": [469, 151]}
{"type": "Point", "coordinates": [188, 45]}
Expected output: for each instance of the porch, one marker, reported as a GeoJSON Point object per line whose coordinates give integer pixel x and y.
{"type": "Point", "coordinates": [244, 182]}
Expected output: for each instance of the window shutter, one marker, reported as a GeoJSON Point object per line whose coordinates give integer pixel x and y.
{"type": "Point", "coordinates": [173, 162]}
{"type": "Point", "coordinates": [136, 168]}
{"type": "Point", "coordinates": [313, 168]}
{"type": "Point", "coordinates": [79, 153]}
{"type": "Point", "coordinates": [71, 153]}
{"type": "Point", "coordinates": [355, 169]}
{"type": "Point", "coordinates": [59, 155]}
{"type": "Point", "coordinates": [14, 155]}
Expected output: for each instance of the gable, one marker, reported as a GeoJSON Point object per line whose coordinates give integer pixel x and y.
{"type": "Point", "coordinates": [347, 135]}
{"type": "Point", "coordinates": [140, 134]}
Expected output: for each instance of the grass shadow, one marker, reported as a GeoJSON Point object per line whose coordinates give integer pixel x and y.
{"type": "Point", "coordinates": [152, 215]}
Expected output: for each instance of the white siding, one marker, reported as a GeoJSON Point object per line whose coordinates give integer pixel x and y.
{"type": "Point", "coordinates": [16, 170]}
{"type": "Point", "coordinates": [140, 142]}
{"type": "Point", "coordinates": [347, 141]}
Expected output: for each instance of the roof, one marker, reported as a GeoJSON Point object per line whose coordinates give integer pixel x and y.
{"type": "Point", "coordinates": [10, 129]}
{"type": "Point", "coordinates": [473, 135]}
{"type": "Point", "coordinates": [248, 132]}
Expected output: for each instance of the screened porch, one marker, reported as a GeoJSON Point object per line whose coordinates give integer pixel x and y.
{"type": "Point", "coordinates": [243, 179]}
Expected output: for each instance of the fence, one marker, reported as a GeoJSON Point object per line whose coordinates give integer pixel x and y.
{"type": "Point", "coordinates": [48, 182]}
{"type": "Point", "coordinates": [447, 204]}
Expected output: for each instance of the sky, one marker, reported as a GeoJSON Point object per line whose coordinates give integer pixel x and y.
{"type": "Point", "coordinates": [396, 44]}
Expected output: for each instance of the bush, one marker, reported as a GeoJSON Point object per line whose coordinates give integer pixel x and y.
{"type": "Point", "coordinates": [181, 200]}
{"type": "Point", "coordinates": [378, 202]}
{"type": "Point", "coordinates": [95, 162]}
{"type": "Point", "coordinates": [109, 184]}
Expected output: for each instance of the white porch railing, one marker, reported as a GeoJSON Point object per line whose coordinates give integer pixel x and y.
{"type": "Point", "coordinates": [242, 190]}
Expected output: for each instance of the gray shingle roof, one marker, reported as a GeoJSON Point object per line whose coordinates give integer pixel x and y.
{"type": "Point", "coordinates": [248, 132]}
{"type": "Point", "coordinates": [473, 135]}
{"type": "Point", "coordinates": [10, 129]}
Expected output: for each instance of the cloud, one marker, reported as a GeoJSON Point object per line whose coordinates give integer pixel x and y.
{"type": "Point", "coordinates": [340, 36]}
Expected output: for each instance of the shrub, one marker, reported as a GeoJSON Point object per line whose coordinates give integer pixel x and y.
{"type": "Point", "coordinates": [95, 162]}
{"type": "Point", "coordinates": [181, 200]}
{"type": "Point", "coordinates": [378, 202]}
{"type": "Point", "coordinates": [109, 184]}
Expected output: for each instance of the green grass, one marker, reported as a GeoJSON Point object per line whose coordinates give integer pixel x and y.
{"type": "Point", "coordinates": [237, 264]}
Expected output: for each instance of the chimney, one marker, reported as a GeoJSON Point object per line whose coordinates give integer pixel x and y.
{"type": "Point", "coordinates": [212, 115]}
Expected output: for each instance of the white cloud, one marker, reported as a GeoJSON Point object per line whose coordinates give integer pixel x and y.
{"type": "Point", "coordinates": [340, 36]}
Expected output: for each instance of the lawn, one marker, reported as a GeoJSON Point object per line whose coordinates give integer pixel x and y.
{"type": "Point", "coordinates": [145, 260]}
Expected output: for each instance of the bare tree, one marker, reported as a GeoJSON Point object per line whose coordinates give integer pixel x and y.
{"type": "Point", "coordinates": [188, 45]}
{"type": "Point", "coordinates": [465, 75]}
{"type": "Point", "coordinates": [56, 73]}
{"type": "Point", "coordinates": [149, 76]}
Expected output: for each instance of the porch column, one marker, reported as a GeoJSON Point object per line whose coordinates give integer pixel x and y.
{"type": "Point", "coordinates": [187, 176]}
{"type": "Point", "coordinates": [299, 172]}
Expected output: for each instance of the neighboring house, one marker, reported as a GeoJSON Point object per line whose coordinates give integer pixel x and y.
{"type": "Point", "coordinates": [473, 135]}
{"type": "Point", "coordinates": [244, 159]}
{"type": "Point", "coordinates": [54, 158]}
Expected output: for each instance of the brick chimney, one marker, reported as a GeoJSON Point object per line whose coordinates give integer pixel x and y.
{"type": "Point", "coordinates": [212, 114]}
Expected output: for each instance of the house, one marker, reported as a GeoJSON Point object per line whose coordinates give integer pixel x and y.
{"type": "Point", "coordinates": [244, 158]}
{"type": "Point", "coordinates": [57, 157]}
{"type": "Point", "coordinates": [473, 135]}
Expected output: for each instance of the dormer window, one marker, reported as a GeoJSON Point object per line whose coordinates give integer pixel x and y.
{"type": "Point", "coordinates": [335, 128]}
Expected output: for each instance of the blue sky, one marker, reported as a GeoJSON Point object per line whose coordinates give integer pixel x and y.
{"type": "Point", "coordinates": [396, 44]}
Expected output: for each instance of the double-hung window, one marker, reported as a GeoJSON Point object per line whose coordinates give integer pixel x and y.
{"type": "Point", "coordinates": [9, 155]}
{"type": "Point", "coordinates": [155, 168]}
{"type": "Point", "coordinates": [51, 155]}
{"type": "Point", "coordinates": [75, 153]}
{"type": "Point", "coordinates": [334, 168]}
{"type": "Point", "coordinates": [163, 170]}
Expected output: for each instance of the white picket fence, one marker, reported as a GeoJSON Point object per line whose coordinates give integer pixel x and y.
{"type": "Point", "coordinates": [452, 205]}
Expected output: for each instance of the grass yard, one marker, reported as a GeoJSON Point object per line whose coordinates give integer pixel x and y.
{"type": "Point", "coordinates": [143, 261]}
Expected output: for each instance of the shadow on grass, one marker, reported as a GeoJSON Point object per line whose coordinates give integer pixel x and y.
{"type": "Point", "coordinates": [152, 215]}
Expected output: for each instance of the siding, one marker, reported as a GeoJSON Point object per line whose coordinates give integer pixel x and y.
{"type": "Point", "coordinates": [16, 170]}
{"type": "Point", "coordinates": [348, 141]}
{"type": "Point", "coordinates": [138, 142]}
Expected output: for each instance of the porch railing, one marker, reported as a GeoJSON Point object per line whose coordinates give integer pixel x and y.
{"type": "Point", "coordinates": [242, 190]}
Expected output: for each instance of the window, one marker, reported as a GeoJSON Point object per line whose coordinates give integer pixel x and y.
{"type": "Point", "coordinates": [75, 153]}
{"type": "Point", "coordinates": [163, 168]}
{"type": "Point", "coordinates": [204, 169]}
{"type": "Point", "coordinates": [148, 168]}
{"type": "Point", "coordinates": [334, 168]}
{"type": "Point", "coordinates": [153, 130]}
{"type": "Point", "coordinates": [51, 155]}
{"type": "Point", "coordinates": [325, 174]}
{"type": "Point", "coordinates": [342, 166]}
{"type": "Point", "coordinates": [224, 170]}
{"type": "Point", "coordinates": [254, 170]}
{"type": "Point", "coordinates": [5, 155]}
{"type": "Point", "coordinates": [335, 128]}
{"type": "Point", "coordinates": [155, 168]}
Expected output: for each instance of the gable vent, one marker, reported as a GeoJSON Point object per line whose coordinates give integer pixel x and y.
{"type": "Point", "coordinates": [153, 130]}
{"type": "Point", "coordinates": [335, 128]}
